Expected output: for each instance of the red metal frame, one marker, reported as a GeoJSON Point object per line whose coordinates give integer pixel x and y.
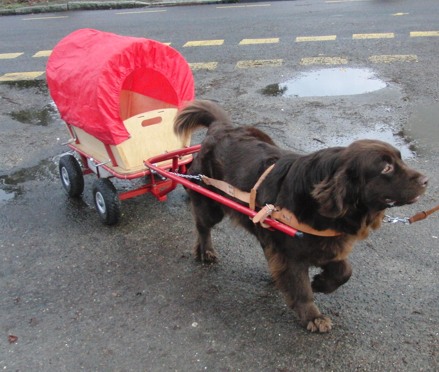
{"type": "Point", "coordinates": [159, 188]}
{"type": "Point", "coordinates": [175, 155]}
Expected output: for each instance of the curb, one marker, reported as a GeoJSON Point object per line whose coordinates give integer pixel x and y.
{"type": "Point", "coordinates": [99, 5]}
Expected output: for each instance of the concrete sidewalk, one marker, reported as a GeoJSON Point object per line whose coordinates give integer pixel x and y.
{"type": "Point", "coordinates": [98, 5]}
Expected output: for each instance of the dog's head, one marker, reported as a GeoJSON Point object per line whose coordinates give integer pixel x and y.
{"type": "Point", "coordinates": [370, 175]}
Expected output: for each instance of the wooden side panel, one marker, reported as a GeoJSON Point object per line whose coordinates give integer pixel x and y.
{"type": "Point", "coordinates": [151, 134]}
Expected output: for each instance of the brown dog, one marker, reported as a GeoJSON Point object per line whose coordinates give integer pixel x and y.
{"type": "Point", "coordinates": [345, 189]}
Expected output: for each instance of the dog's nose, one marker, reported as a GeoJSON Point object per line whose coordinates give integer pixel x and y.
{"type": "Point", "coordinates": [423, 181]}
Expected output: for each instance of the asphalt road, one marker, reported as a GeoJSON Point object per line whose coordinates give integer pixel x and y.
{"type": "Point", "coordinates": [77, 295]}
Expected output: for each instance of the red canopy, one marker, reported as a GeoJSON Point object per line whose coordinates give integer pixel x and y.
{"type": "Point", "coordinates": [88, 70]}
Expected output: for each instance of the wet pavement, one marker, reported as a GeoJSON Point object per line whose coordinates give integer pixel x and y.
{"type": "Point", "coordinates": [80, 295]}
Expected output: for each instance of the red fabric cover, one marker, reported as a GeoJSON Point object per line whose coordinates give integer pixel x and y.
{"type": "Point", "coordinates": [88, 69]}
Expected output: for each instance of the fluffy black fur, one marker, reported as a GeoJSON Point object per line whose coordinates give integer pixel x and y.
{"type": "Point", "coordinates": [342, 188]}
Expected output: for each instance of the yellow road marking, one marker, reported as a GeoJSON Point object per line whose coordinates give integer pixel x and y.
{"type": "Point", "coordinates": [300, 39]}
{"type": "Point", "coordinates": [259, 41]}
{"type": "Point", "coordinates": [14, 76]}
{"type": "Point", "coordinates": [394, 58]}
{"type": "Point", "coordinates": [241, 6]}
{"type": "Point", "coordinates": [10, 55]}
{"type": "Point", "coordinates": [343, 1]}
{"type": "Point", "coordinates": [204, 66]}
{"type": "Point", "coordinates": [42, 53]}
{"type": "Point", "coordinates": [43, 18]}
{"type": "Point", "coordinates": [203, 43]}
{"type": "Point", "coordinates": [323, 61]}
{"type": "Point", "coordinates": [424, 33]}
{"type": "Point", "coordinates": [389, 35]}
{"type": "Point", "coordinates": [142, 11]}
{"type": "Point", "coordinates": [259, 63]}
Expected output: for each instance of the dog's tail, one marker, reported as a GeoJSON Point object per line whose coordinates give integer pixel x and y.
{"type": "Point", "coordinates": [199, 113]}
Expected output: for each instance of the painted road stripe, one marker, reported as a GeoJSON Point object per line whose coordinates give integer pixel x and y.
{"type": "Point", "coordinates": [204, 66]}
{"type": "Point", "coordinates": [10, 55]}
{"type": "Point", "coordinates": [323, 61]}
{"type": "Point", "coordinates": [203, 43]}
{"type": "Point", "coordinates": [399, 14]}
{"type": "Point", "coordinates": [389, 35]}
{"type": "Point", "coordinates": [242, 6]}
{"type": "Point", "coordinates": [301, 39]}
{"type": "Point", "coordinates": [14, 76]}
{"type": "Point", "coordinates": [424, 33]}
{"type": "Point", "coordinates": [259, 63]}
{"type": "Point", "coordinates": [394, 58]}
{"type": "Point", "coordinates": [42, 53]}
{"type": "Point", "coordinates": [142, 11]}
{"type": "Point", "coordinates": [259, 41]}
{"type": "Point", "coordinates": [43, 18]}
{"type": "Point", "coordinates": [343, 1]}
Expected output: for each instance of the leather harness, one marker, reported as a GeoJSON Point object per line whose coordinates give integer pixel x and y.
{"type": "Point", "coordinates": [280, 214]}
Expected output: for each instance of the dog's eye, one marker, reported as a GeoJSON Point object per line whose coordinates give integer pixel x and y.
{"type": "Point", "coordinates": [387, 169]}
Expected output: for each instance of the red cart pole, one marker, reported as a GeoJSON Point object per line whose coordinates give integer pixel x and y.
{"type": "Point", "coordinates": [150, 163]}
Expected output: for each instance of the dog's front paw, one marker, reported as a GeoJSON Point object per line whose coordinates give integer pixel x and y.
{"type": "Point", "coordinates": [205, 256]}
{"type": "Point", "coordinates": [322, 324]}
{"type": "Point", "coordinates": [209, 257]}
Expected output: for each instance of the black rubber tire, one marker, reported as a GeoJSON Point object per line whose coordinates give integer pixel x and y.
{"type": "Point", "coordinates": [106, 201]}
{"type": "Point", "coordinates": [71, 175]}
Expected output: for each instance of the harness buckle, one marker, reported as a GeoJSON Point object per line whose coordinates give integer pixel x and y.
{"type": "Point", "coordinates": [390, 219]}
{"type": "Point", "coordinates": [264, 213]}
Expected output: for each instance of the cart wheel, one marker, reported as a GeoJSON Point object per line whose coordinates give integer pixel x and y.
{"type": "Point", "coordinates": [106, 201]}
{"type": "Point", "coordinates": [71, 175]}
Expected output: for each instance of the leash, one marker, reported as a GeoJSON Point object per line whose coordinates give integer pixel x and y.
{"type": "Point", "coordinates": [415, 218]}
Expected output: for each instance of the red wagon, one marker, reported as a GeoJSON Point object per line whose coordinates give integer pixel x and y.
{"type": "Point", "coordinates": [119, 96]}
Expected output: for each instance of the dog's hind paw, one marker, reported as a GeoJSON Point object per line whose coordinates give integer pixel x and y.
{"type": "Point", "coordinates": [322, 324]}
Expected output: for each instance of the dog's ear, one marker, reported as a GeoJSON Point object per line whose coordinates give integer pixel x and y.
{"type": "Point", "coordinates": [331, 195]}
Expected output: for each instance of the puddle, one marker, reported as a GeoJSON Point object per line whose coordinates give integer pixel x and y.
{"type": "Point", "coordinates": [10, 184]}
{"type": "Point", "coordinates": [328, 82]}
{"type": "Point", "coordinates": [6, 195]}
{"type": "Point", "coordinates": [273, 90]}
{"type": "Point", "coordinates": [32, 116]}
{"type": "Point", "coordinates": [46, 169]}
{"type": "Point", "coordinates": [423, 126]}
{"type": "Point", "coordinates": [380, 132]}
{"type": "Point", "coordinates": [40, 85]}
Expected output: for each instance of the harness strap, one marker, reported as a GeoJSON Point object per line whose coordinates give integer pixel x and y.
{"type": "Point", "coordinates": [227, 188]}
{"type": "Point", "coordinates": [288, 218]}
{"type": "Point", "coordinates": [252, 203]}
{"type": "Point", "coordinates": [246, 197]}
{"type": "Point", "coordinates": [282, 215]}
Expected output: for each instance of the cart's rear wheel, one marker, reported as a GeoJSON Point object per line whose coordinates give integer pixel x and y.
{"type": "Point", "coordinates": [71, 175]}
{"type": "Point", "coordinates": [106, 200]}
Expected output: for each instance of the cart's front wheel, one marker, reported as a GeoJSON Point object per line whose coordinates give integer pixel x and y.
{"type": "Point", "coordinates": [71, 175]}
{"type": "Point", "coordinates": [107, 202]}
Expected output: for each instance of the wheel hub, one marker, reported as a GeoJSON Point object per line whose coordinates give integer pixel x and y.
{"type": "Point", "coordinates": [100, 203]}
{"type": "Point", "coordinates": [65, 177]}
